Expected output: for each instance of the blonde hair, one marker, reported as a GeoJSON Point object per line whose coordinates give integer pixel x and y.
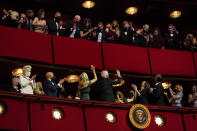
{"type": "Point", "coordinates": [83, 80]}
{"type": "Point", "coordinates": [179, 88]}
{"type": "Point", "coordinates": [27, 66]}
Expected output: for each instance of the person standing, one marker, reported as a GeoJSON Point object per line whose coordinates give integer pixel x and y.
{"type": "Point", "coordinates": [50, 87]}
{"type": "Point", "coordinates": [27, 83]}
{"type": "Point", "coordinates": [54, 24]}
{"type": "Point", "coordinates": [157, 93]}
{"type": "Point", "coordinates": [105, 86]}
{"type": "Point", "coordinates": [15, 85]}
{"type": "Point", "coordinates": [85, 83]}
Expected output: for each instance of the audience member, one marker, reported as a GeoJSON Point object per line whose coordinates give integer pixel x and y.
{"type": "Point", "coordinates": [143, 93]}
{"type": "Point", "coordinates": [176, 97]}
{"type": "Point", "coordinates": [50, 87]}
{"type": "Point", "coordinates": [105, 88]}
{"type": "Point", "coordinates": [126, 34]}
{"type": "Point", "coordinates": [86, 29]}
{"type": "Point", "coordinates": [157, 93]}
{"type": "Point", "coordinates": [54, 25]}
{"type": "Point", "coordinates": [27, 83]}
{"type": "Point", "coordinates": [39, 89]}
{"type": "Point", "coordinates": [156, 39]}
{"type": "Point", "coordinates": [29, 19]}
{"type": "Point", "coordinates": [15, 85]}
{"type": "Point", "coordinates": [192, 98]}
{"type": "Point", "coordinates": [99, 33]}
{"type": "Point", "coordinates": [39, 22]}
{"type": "Point", "coordinates": [85, 83]}
{"type": "Point", "coordinates": [73, 28]}
{"type": "Point", "coordinates": [171, 38]}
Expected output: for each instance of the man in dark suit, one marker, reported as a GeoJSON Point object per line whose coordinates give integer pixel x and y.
{"type": "Point", "coordinates": [126, 34]}
{"type": "Point", "coordinates": [157, 93]}
{"type": "Point", "coordinates": [99, 33]}
{"type": "Point", "coordinates": [50, 87]}
{"type": "Point", "coordinates": [15, 85]}
{"type": "Point", "coordinates": [73, 28]}
{"type": "Point", "coordinates": [104, 89]}
{"type": "Point", "coordinates": [53, 25]}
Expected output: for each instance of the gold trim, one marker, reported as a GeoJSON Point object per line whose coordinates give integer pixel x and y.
{"type": "Point", "coordinates": [134, 122]}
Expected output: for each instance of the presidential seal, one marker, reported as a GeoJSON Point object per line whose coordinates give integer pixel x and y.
{"type": "Point", "coordinates": [139, 116]}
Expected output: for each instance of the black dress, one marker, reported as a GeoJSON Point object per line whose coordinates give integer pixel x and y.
{"type": "Point", "coordinates": [143, 98]}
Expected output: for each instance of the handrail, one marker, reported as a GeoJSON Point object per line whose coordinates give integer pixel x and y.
{"type": "Point", "coordinates": [46, 99]}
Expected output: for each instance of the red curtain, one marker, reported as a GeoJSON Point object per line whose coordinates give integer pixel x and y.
{"type": "Point", "coordinates": [126, 58]}
{"type": "Point", "coordinates": [77, 52]}
{"type": "Point", "coordinates": [172, 62]}
{"type": "Point", "coordinates": [24, 44]}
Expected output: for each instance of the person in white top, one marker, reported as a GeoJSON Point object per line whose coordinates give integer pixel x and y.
{"type": "Point", "coordinates": [27, 83]}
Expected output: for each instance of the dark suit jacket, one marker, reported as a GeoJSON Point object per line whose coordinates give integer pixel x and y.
{"type": "Point", "coordinates": [126, 38]}
{"type": "Point", "coordinates": [143, 99]}
{"type": "Point", "coordinates": [50, 89]}
{"type": "Point", "coordinates": [105, 89]}
{"type": "Point", "coordinates": [104, 35]}
{"type": "Point", "coordinates": [158, 97]}
{"type": "Point", "coordinates": [68, 30]}
{"type": "Point", "coordinates": [12, 89]}
{"type": "Point", "coordinates": [52, 27]}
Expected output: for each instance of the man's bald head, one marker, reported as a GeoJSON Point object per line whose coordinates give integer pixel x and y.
{"type": "Point", "coordinates": [49, 75]}
{"type": "Point", "coordinates": [77, 18]}
{"type": "Point", "coordinates": [105, 74]}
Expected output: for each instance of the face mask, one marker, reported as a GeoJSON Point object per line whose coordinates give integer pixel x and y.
{"type": "Point", "coordinates": [53, 79]}
{"type": "Point", "coordinates": [58, 18]}
{"type": "Point", "coordinates": [170, 30]}
{"type": "Point", "coordinates": [113, 27]}
{"type": "Point", "coordinates": [28, 74]}
{"type": "Point", "coordinates": [156, 33]}
{"type": "Point", "coordinates": [131, 95]}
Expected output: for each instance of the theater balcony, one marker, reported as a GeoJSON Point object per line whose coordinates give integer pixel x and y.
{"type": "Point", "coordinates": [65, 56]}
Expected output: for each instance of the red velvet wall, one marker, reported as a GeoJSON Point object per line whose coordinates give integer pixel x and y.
{"type": "Point", "coordinates": [172, 62]}
{"type": "Point", "coordinates": [126, 58]}
{"type": "Point", "coordinates": [77, 52]}
{"type": "Point", "coordinates": [16, 117]}
{"type": "Point", "coordinates": [190, 122]}
{"type": "Point", "coordinates": [25, 44]}
{"type": "Point", "coordinates": [41, 120]}
{"type": "Point", "coordinates": [96, 121]}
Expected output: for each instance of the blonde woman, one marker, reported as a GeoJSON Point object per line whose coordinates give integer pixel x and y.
{"type": "Point", "coordinates": [176, 97]}
{"type": "Point", "coordinates": [84, 84]}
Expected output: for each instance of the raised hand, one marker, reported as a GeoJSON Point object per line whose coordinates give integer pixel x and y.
{"type": "Point", "coordinates": [118, 73]}
{"type": "Point", "coordinates": [92, 67]}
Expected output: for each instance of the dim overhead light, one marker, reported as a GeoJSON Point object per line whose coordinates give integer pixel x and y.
{"type": "Point", "coordinates": [131, 10]}
{"type": "Point", "coordinates": [160, 120]}
{"type": "Point", "coordinates": [110, 117]}
{"type": "Point", "coordinates": [58, 113]}
{"type": "Point", "coordinates": [88, 4]}
{"type": "Point", "coordinates": [175, 14]}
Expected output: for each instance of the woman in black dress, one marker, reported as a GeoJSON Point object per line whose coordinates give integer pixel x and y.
{"type": "Point", "coordinates": [142, 94]}
{"type": "Point", "coordinates": [86, 30]}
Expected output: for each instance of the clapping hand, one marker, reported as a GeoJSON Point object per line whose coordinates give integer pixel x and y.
{"type": "Point", "coordinates": [134, 87]}
{"type": "Point", "coordinates": [61, 81]}
{"type": "Point", "coordinates": [33, 77]}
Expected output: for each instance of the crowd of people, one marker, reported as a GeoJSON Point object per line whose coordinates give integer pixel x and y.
{"type": "Point", "coordinates": [112, 32]}
{"type": "Point", "coordinates": [104, 88]}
